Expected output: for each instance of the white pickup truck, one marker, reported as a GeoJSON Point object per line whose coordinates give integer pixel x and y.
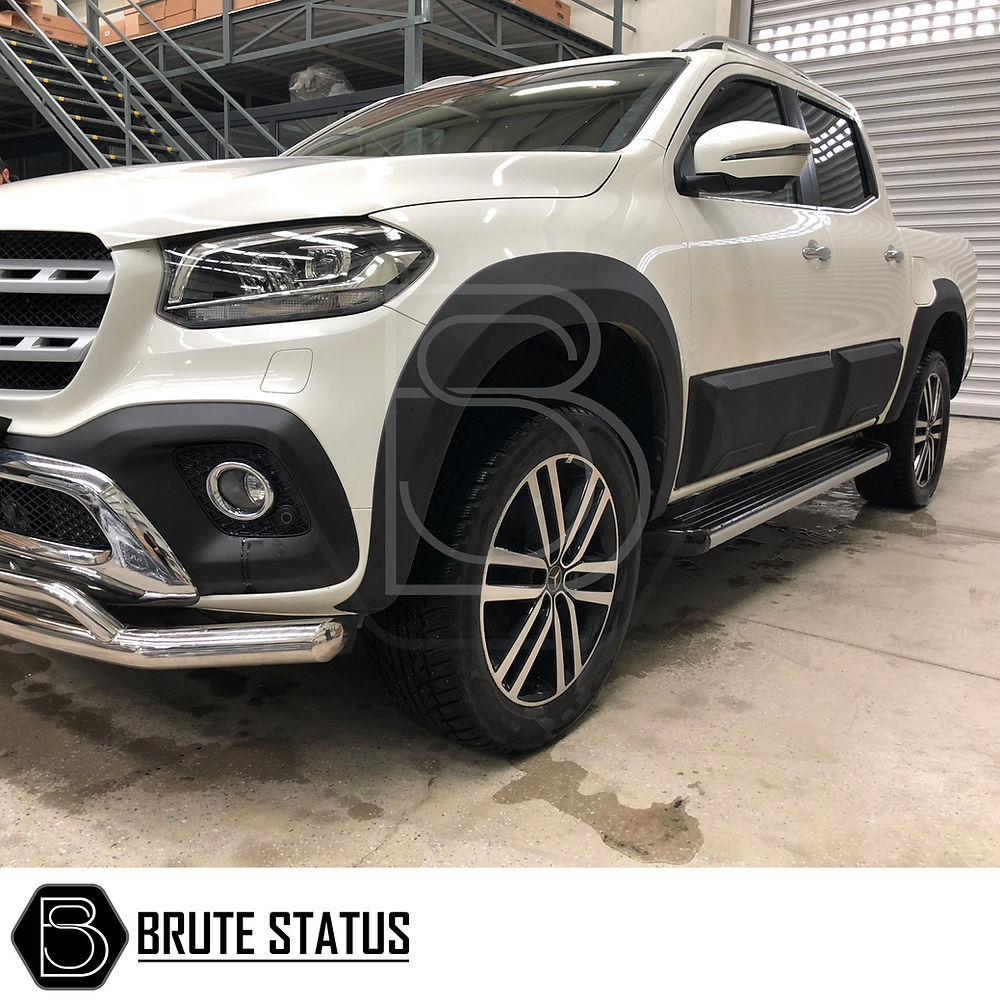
{"type": "Point", "coordinates": [438, 369]}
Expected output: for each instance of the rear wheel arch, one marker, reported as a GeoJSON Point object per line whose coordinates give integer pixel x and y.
{"type": "Point", "coordinates": [940, 326]}
{"type": "Point", "coordinates": [554, 305]}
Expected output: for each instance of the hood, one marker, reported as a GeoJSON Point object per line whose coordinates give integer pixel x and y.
{"type": "Point", "coordinates": [130, 204]}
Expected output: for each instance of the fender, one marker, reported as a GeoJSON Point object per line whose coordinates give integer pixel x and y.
{"type": "Point", "coordinates": [948, 299]}
{"type": "Point", "coordinates": [501, 307]}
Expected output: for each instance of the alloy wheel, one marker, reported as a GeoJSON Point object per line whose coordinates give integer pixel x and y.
{"type": "Point", "coordinates": [929, 430]}
{"type": "Point", "coordinates": [549, 580]}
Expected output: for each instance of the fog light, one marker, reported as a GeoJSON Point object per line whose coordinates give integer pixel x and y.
{"type": "Point", "coordinates": [240, 491]}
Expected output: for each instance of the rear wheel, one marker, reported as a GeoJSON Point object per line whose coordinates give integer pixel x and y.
{"type": "Point", "coordinates": [918, 440]}
{"type": "Point", "coordinates": [532, 592]}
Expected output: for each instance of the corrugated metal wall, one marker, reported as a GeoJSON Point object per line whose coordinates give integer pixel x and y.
{"type": "Point", "coordinates": [926, 80]}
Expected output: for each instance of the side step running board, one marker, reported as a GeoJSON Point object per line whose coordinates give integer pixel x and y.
{"type": "Point", "coordinates": [695, 525]}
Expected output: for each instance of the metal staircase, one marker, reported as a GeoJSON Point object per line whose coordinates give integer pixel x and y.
{"type": "Point", "coordinates": [98, 107]}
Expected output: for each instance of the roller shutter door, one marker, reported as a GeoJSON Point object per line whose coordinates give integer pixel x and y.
{"type": "Point", "coordinates": [926, 79]}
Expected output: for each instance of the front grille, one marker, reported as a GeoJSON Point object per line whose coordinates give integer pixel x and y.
{"type": "Point", "coordinates": [47, 515]}
{"type": "Point", "coordinates": [52, 246]}
{"type": "Point", "coordinates": [288, 515]}
{"type": "Point", "coordinates": [50, 306]}
{"type": "Point", "coordinates": [81, 312]}
{"type": "Point", "coordinates": [37, 376]}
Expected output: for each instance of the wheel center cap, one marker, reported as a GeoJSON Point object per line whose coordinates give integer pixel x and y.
{"type": "Point", "coordinates": [554, 578]}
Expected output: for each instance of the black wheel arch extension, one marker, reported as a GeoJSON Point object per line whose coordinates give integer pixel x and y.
{"type": "Point", "coordinates": [584, 308]}
{"type": "Point", "coordinates": [942, 325]}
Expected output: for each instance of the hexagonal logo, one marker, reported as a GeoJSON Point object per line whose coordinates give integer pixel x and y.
{"type": "Point", "coordinates": [69, 937]}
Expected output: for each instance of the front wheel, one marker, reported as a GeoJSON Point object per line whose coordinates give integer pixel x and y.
{"type": "Point", "coordinates": [532, 580]}
{"type": "Point", "coordinates": [918, 440]}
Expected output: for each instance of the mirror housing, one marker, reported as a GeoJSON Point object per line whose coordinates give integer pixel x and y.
{"type": "Point", "coordinates": [747, 156]}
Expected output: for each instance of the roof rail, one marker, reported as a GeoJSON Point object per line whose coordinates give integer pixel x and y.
{"type": "Point", "coordinates": [726, 44]}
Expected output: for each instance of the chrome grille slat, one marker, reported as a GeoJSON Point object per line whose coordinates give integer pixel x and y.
{"type": "Point", "coordinates": [56, 277]}
{"type": "Point", "coordinates": [20, 343]}
{"type": "Point", "coordinates": [54, 291]}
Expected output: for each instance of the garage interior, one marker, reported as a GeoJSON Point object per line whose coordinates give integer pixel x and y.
{"type": "Point", "coordinates": [820, 691]}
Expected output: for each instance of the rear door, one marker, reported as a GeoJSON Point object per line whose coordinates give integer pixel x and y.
{"type": "Point", "coordinates": [868, 305]}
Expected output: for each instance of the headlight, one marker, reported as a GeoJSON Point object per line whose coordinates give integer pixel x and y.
{"type": "Point", "coordinates": [289, 273]}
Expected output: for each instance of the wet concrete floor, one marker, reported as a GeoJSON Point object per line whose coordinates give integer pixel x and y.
{"type": "Point", "coordinates": [823, 691]}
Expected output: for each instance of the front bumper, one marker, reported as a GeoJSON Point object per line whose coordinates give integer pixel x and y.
{"type": "Point", "coordinates": [56, 594]}
{"type": "Point", "coordinates": [60, 617]}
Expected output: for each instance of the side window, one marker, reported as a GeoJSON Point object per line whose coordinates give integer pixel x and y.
{"type": "Point", "coordinates": [743, 100]}
{"type": "Point", "coordinates": [837, 157]}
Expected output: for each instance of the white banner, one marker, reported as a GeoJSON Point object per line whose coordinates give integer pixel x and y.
{"type": "Point", "coordinates": [508, 933]}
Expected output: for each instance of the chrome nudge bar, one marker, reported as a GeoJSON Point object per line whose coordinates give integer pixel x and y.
{"type": "Point", "coordinates": [54, 594]}
{"type": "Point", "coordinates": [138, 565]}
{"type": "Point", "coordinates": [60, 617]}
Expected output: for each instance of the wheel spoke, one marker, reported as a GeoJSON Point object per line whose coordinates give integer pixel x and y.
{"type": "Point", "coordinates": [520, 560]}
{"type": "Point", "coordinates": [543, 525]}
{"type": "Point", "coordinates": [522, 635]}
{"type": "Point", "coordinates": [557, 501]}
{"type": "Point", "coordinates": [581, 511]}
{"type": "Point", "coordinates": [529, 663]}
{"type": "Point", "coordinates": [574, 637]}
{"type": "Point", "coordinates": [505, 592]}
{"type": "Point", "coordinates": [561, 682]}
{"type": "Point", "coordinates": [591, 596]}
{"type": "Point", "coordinates": [591, 523]}
{"type": "Point", "coordinates": [936, 394]}
{"type": "Point", "coordinates": [606, 568]}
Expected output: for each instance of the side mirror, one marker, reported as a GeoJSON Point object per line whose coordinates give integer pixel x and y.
{"type": "Point", "coordinates": [748, 156]}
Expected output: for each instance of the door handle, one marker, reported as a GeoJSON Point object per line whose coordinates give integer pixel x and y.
{"type": "Point", "coordinates": [813, 251]}
{"type": "Point", "coordinates": [892, 255]}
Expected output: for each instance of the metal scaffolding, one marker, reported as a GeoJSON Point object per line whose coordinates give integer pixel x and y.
{"type": "Point", "coordinates": [233, 69]}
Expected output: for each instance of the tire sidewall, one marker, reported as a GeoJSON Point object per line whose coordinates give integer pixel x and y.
{"type": "Point", "coordinates": [519, 726]}
{"type": "Point", "coordinates": [932, 363]}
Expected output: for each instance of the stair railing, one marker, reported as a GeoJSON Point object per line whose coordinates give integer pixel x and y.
{"type": "Point", "coordinates": [84, 83]}
{"type": "Point", "coordinates": [105, 58]}
{"type": "Point", "coordinates": [50, 109]}
{"type": "Point", "coordinates": [229, 103]}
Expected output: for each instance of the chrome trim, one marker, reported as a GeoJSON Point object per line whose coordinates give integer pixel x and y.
{"type": "Point", "coordinates": [86, 629]}
{"type": "Point", "coordinates": [813, 251]}
{"type": "Point", "coordinates": [57, 277]}
{"type": "Point", "coordinates": [32, 344]}
{"type": "Point", "coordinates": [810, 492]}
{"type": "Point", "coordinates": [222, 505]}
{"type": "Point", "coordinates": [139, 566]}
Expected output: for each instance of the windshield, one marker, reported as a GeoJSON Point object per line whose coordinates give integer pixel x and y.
{"type": "Point", "coordinates": [590, 108]}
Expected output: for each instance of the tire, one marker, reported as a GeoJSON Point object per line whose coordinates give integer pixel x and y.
{"type": "Point", "coordinates": [475, 660]}
{"type": "Point", "coordinates": [918, 440]}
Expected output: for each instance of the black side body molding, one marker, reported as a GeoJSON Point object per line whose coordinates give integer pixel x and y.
{"type": "Point", "coordinates": [497, 310]}
{"type": "Point", "coordinates": [135, 446]}
{"type": "Point", "coordinates": [746, 414]}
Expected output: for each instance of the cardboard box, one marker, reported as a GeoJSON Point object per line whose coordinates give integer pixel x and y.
{"type": "Point", "coordinates": [108, 35]}
{"type": "Point", "coordinates": [554, 10]}
{"type": "Point", "coordinates": [157, 11]}
{"type": "Point", "coordinates": [177, 7]}
{"type": "Point", "coordinates": [177, 20]}
{"type": "Point", "coordinates": [207, 8]}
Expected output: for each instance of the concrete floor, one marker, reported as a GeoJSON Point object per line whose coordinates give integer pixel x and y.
{"type": "Point", "coordinates": [823, 691]}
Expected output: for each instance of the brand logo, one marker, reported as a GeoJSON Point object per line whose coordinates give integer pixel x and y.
{"type": "Point", "coordinates": [69, 937]}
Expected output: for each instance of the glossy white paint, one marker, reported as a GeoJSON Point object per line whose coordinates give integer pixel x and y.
{"type": "Point", "coordinates": [730, 272]}
{"type": "Point", "coordinates": [134, 204]}
{"type": "Point", "coordinates": [748, 149]}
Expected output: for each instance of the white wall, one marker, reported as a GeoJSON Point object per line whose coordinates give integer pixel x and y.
{"type": "Point", "coordinates": [659, 24]}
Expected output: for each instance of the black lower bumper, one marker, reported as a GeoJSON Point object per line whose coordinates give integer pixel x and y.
{"type": "Point", "coordinates": [138, 447]}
